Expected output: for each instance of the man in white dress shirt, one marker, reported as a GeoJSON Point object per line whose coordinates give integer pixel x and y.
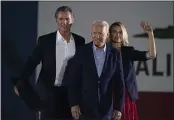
{"type": "Point", "coordinates": [53, 51]}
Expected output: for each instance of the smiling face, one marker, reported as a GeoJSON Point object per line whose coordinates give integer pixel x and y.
{"type": "Point", "coordinates": [64, 20]}
{"type": "Point", "coordinates": [116, 34]}
{"type": "Point", "coordinates": [99, 34]}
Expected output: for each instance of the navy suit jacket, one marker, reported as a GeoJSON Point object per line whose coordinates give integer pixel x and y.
{"type": "Point", "coordinates": [129, 55]}
{"type": "Point", "coordinates": [84, 82]}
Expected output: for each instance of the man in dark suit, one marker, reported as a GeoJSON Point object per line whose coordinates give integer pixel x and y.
{"type": "Point", "coordinates": [96, 73]}
{"type": "Point", "coordinates": [53, 51]}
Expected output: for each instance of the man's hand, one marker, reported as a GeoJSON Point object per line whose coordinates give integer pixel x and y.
{"type": "Point", "coordinates": [19, 84]}
{"type": "Point", "coordinates": [116, 115]}
{"type": "Point", "coordinates": [75, 111]}
{"type": "Point", "coordinates": [16, 90]}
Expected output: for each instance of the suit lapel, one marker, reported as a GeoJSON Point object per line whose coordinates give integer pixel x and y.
{"type": "Point", "coordinates": [109, 64]}
{"type": "Point", "coordinates": [75, 40]}
{"type": "Point", "coordinates": [107, 57]}
{"type": "Point", "coordinates": [52, 52]}
{"type": "Point", "coordinates": [92, 60]}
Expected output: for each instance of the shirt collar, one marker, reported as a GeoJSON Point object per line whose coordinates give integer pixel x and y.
{"type": "Point", "coordinates": [60, 38]}
{"type": "Point", "coordinates": [95, 48]}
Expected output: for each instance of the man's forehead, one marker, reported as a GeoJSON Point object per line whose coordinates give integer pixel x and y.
{"type": "Point", "coordinates": [99, 27]}
{"type": "Point", "coordinates": [64, 13]}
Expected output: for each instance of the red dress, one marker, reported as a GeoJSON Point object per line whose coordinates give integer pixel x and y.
{"type": "Point", "coordinates": [129, 111]}
{"type": "Point", "coordinates": [129, 108]}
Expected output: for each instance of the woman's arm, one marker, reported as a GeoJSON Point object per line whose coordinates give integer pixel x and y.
{"type": "Point", "coordinates": [151, 41]}
{"type": "Point", "coordinates": [137, 55]}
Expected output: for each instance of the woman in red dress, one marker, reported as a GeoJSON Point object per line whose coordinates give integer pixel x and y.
{"type": "Point", "coordinates": [119, 39]}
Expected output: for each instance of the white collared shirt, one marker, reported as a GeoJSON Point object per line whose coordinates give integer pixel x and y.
{"type": "Point", "coordinates": [64, 51]}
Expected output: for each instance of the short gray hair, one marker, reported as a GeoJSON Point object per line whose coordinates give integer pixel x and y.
{"type": "Point", "coordinates": [102, 23]}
